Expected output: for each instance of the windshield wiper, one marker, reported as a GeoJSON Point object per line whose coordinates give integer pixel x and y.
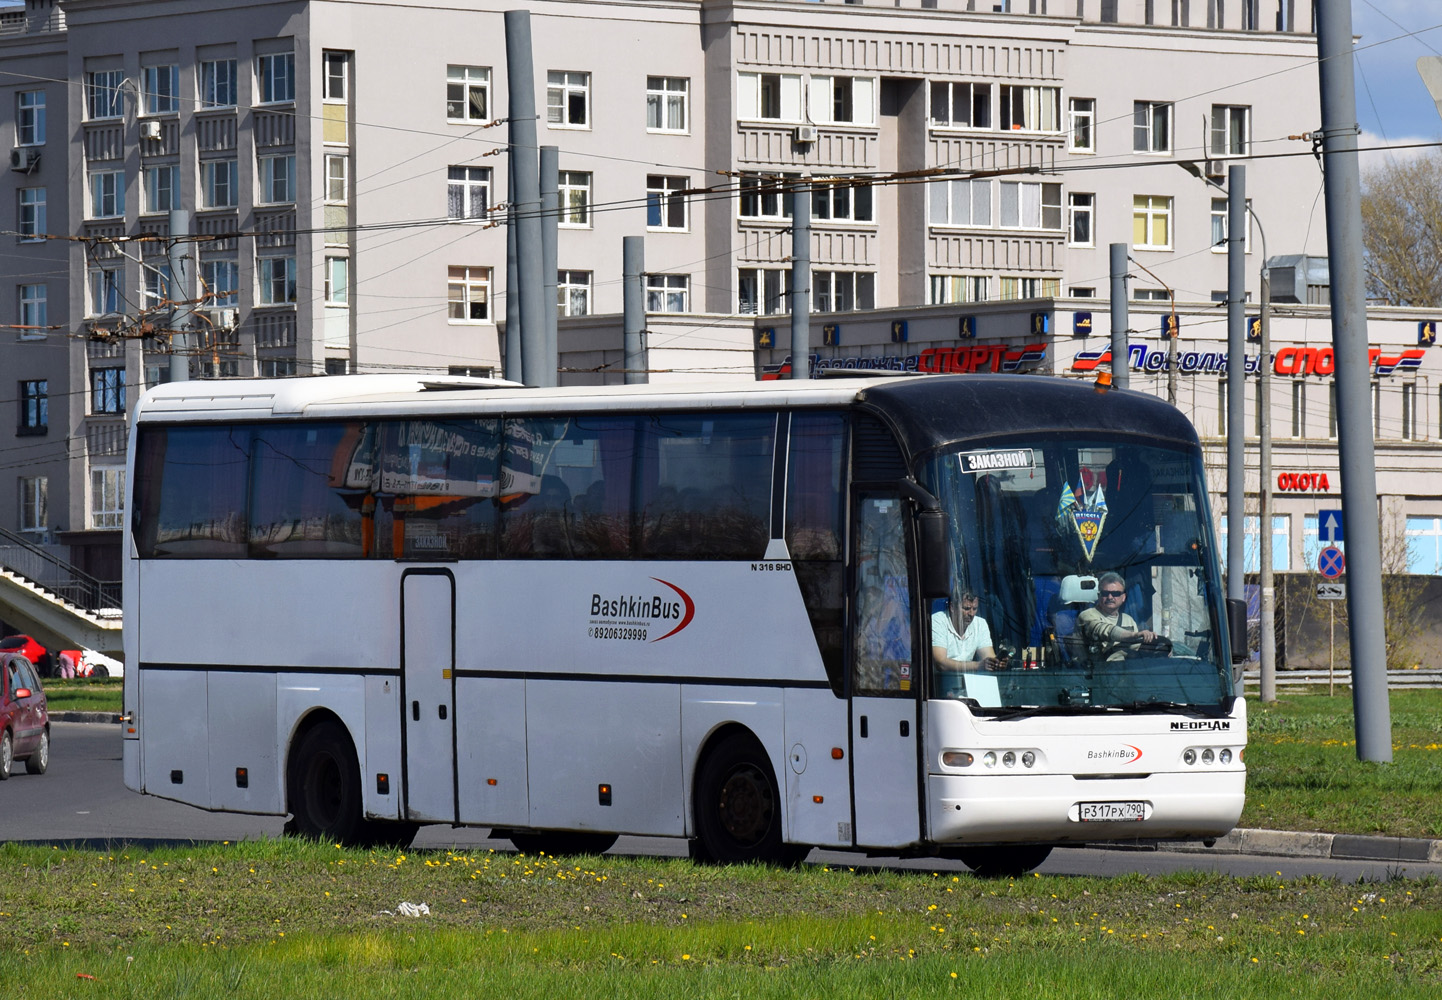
{"type": "Point", "coordinates": [1026, 712]}
{"type": "Point", "coordinates": [1170, 706]}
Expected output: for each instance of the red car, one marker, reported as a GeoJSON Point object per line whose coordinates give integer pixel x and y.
{"type": "Point", "coordinates": [24, 717]}
{"type": "Point", "coordinates": [51, 663]}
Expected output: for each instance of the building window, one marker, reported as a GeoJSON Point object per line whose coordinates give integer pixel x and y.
{"type": "Point", "coordinates": [843, 100]}
{"type": "Point", "coordinates": [157, 284]}
{"type": "Point", "coordinates": [842, 291]}
{"type": "Point", "coordinates": [1029, 109]}
{"type": "Point", "coordinates": [107, 390]}
{"type": "Point", "coordinates": [768, 96]}
{"type": "Point", "coordinates": [468, 294]}
{"type": "Point", "coordinates": [1251, 544]}
{"type": "Point", "coordinates": [219, 183]}
{"type": "Point", "coordinates": [160, 89]}
{"type": "Point", "coordinates": [956, 202]}
{"type": "Point", "coordinates": [278, 367]}
{"type": "Point", "coordinates": [1080, 209]}
{"type": "Point", "coordinates": [337, 179]}
{"type": "Point", "coordinates": [668, 104]}
{"type": "Point", "coordinates": [221, 283]}
{"type": "Point", "coordinates": [277, 179]}
{"type": "Point", "coordinates": [277, 280]}
{"type": "Point", "coordinates": [33, 311]}
{"type": "Point", "coordinates": [30, 216]}
{"type": "Point", "coordinates": [34, 406]}
{"type": "Point", "coordinates": [665, 202]}
{"type": "Point", "coordinates": [1152, 222]}
{"type": "Point", "coordinates": [1424, 545]}
{"type": "Point", "coordinates": [669, 293]}
{"type": "Point", "coordinates": [103, 96]}
{"type": "Point", "coordinates": [468, 192]}
{"type": "Point", "coordinates": [337, 281]}
{"type": "Point", "coordinates": [765, 197]}
{"type": "Point", "coordinates": [950, 288]}
{"type": "Point", "coordinates": [468, 93]}
{"type": "Point", "coordinates": [1181, 14]}
{"type": "Point", "coordinates": [1150, 295]}
{"type": "Point", "coordinates": [568, 99]}
{"type": "Point", "coordinates": [218, 86]}
{"type": "Point", "coordinates": [276, 77]}
{"type": "Point", "coordinates": [573, 293]}
{"type": "Point", "coordinates": [1030, 206]}
{"type": "Point", "coordinates": [30, 118]}
{"type": "Point", "coordinates": [162, 188]}
{"type": "Point", "coordinates": [34, 507]}
{"type": "Point", "coordinates": [1250, 19]}
{"type": "Point", "coordinates": [574, 189]}
{"type": "Point", "coordinates": [107, 194]}
{"type": "Point", "coordinates": [1409, 411]}
{"type": "Point", "coordinates": [1083, 124]}
{"type": "Point", "coordinates": [104, 290]}
{"type": "Point", "coordinates": [1030, 288]}
{"type": "Point", "coordinates": [1230, 134]}
{"type": "Point", "coordinates": [763, 291]}
{"type": "Point", "coordinates": [1083, 291]}
{"type": "Point", "coordinates": [841, 202]}
{"type": "Point", "coordinates": [337, 76]}
{"type": "Point", "coordinates": [107, 496]}
{"type": "Point", "coordinates": [1151, 127]}
{"type": "Point", "coordinates": [960, 105]}
{"type": "Point", "coordinates": [1299, 409]}
{"type": "Point", "coordinates": [1220, 215]}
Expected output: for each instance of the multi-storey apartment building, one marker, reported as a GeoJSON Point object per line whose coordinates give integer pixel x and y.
{"type": "Point", "coordinates": [339, 165]}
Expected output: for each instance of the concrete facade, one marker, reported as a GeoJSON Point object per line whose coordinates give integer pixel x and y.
{"type": "Point", "coordinates": [354, 224]}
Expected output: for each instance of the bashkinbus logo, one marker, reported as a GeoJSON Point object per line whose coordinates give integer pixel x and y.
{"type": "Point", "coordinates": [648, 609]}
{"type": "Point", "coordinates": [1125, 754]}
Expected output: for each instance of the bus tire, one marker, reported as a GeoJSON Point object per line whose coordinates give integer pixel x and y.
{"type": "Point", "coordinates": [1002, 860]}
{"type": "Point", "coordinates": [738, 807]}
{"type": "Point", "coordinates": [561, 843]}
{"type": "Point", "coordinates": [388, 834]}
{"type": "Point", "coordinates": [324, 787]}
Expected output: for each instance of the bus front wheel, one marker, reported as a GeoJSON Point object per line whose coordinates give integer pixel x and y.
{"type": "Point", "coordinates": [1002, 861]}
{"type": "Point", "coordinates": [324, 787]}
{"type": "Point", "coordinates": [738, 807]}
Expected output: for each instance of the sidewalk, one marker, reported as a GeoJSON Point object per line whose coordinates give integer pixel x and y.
{"type": "Point", "coordinates": [1263, 843]}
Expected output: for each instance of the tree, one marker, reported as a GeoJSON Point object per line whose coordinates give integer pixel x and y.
{"type": "Point", "coordinates": [1402, 231]}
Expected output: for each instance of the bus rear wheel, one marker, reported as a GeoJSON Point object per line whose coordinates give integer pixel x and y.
{"type": "Point", "coordinates": [559, 843]}
{"type": "Point", "coordinates": [324, 788]}
{"type": "Point", "coordinates": [1003, 860]}
{"type": "Point", "coordinates": [738, 807]}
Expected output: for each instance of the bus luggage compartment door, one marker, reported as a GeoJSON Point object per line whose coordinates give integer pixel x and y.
{"type": "Point", "coordinates": [428, 602]}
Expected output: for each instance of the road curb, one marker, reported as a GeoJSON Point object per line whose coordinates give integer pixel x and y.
{"type": "Point", "coordinates": [110, 717]}
{"type": "Point", "coordinates": [1338, 846]}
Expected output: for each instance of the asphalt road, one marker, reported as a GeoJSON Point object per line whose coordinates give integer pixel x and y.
{"type": "Point", "coordinates": [82, 798]}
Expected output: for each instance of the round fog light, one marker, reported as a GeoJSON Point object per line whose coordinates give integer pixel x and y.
{"type": "Point", "coordinates": [1207, 755]}
{"type": "Point", "coordinates": [1028, 759]}
{"type": "Point", "coordinates": [989, 758]}
{"type": "Point", "coordinates": [1225, 756]}
{"type": "Point", "coordinates": [1009, 759]}
{"type": "Point", "coordinates": [1189, 755]}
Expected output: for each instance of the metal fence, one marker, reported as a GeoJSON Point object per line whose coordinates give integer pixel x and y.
{"type": "Point", "coordinates": [1420, 678]}
{"type": "Point", "coordinates": [54, 575]}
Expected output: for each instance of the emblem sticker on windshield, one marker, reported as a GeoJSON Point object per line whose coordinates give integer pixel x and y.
{"type": "Point", "coordinates": [992, 461]}
{"type": "Point", "coordinates": [1086, 512]}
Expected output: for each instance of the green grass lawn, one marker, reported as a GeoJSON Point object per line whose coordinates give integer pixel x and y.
{"type": "Point", "coordinates": [81, 694]}
{"type": "Point", "coordinates": [295, 919]}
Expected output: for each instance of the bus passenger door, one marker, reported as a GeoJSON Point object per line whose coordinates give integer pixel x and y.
{"type": "Point", "coordinates": [884, 763]}
{"type": "Point", "coordinates": [428, 605]}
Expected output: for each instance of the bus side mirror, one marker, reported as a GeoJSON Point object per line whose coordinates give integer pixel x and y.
{"type": "Point", "coordinates": [934, 559]}
{"type": "Point", "coordinates": [1237, 626]}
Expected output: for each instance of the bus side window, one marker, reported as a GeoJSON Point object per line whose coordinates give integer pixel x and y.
{"type": "Point", "coordinates": [815, 497]}
{"type": "Point", "coordinates": [881, 651]}
{"type": "Point", "coordinates": [190, 492]}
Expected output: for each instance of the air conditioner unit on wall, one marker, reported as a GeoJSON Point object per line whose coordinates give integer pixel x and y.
{"type": "Point", "coordinates": [805, 133]}
{"type": "Point", "coordinates": [24, 158]}
{"type": "Point", "coordinates": [1215, 169]}
{"type": "Point", "coordinates": [224, 319]}
{"type": "Point", "coordinates": [150, 130]}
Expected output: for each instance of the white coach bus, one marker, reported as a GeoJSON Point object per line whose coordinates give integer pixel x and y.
{"type": "Point", "coordinates": [375, 602]}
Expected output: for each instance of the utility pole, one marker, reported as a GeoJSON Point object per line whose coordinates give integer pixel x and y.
{"type": "Point", "coordinates": [526, 194]}
{"type": "Point", "coordinates": [633, 301]}
{"type": "Point", "coordinates": [1121, 358]}
{"type": "Point", "coordinates": [1236, 381]}
{"type": "Point", "coordinates": [1358, 464]}
{"type": "Point", "coordinates": [182, 292]}
{"type": "Point", "coordinates": [1264, 491]}
{"type": "Point", "coordinates": [801, 281]}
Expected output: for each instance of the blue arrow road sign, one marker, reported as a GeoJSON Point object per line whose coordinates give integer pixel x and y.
{"type": "Point", "coordinates": [1329, 526]}
{"type": "Point", "coordinates": [1331, 563]}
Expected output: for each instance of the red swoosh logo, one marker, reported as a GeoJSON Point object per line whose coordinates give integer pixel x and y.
{"type": "Point", "coordinates": [690, 610]}
{"type": "Point", "coordinates": [1137, 749]}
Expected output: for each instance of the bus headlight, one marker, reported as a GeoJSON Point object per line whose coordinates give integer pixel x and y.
{"type": "Point", "coordinates": [1189, 756]}
{"type": "Point", "coordinates": [1009, 758]}
{"type": "Point", "coordinates": [1207, 755]}
{"type": "Point", "coordinates": [1225, 756]}
{"type": "Point", "coordinates": [1028, 759]}
{"type": "Point", "coordinates": [989, 758]}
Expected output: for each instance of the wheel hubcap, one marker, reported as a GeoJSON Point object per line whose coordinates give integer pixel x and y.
{"type": "Point", "coordinates": [746, 806]}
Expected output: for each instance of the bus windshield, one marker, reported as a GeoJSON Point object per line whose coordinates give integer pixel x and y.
{"type": "Point", "coordinates": [1082, 579]}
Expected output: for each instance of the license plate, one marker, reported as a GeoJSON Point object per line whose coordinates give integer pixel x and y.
{"type": "Point", "coordinates": [1111, 812]}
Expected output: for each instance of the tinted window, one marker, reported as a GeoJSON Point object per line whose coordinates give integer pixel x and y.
{"type": "Point", "coordinates": [190, 491]}
{"type": "Point", "coordinates": [301, 503]}
{"type": "Point", "coordinates": [815, 491]}
{"type": "Point", "coordinates": [434, 489]}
